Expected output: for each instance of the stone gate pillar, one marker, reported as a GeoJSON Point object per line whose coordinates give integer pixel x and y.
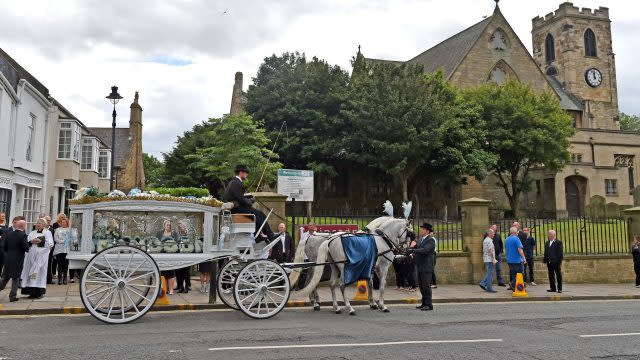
{"type": "Point", "coordinates": [633, 215]}
{"type": "Point", "coordinates": [270, 200]}
{"type": "Point", "coordinates": [475, 221]}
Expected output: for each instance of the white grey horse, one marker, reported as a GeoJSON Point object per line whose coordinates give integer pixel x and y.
{"type": "Point", "coordinates": [330, 249]}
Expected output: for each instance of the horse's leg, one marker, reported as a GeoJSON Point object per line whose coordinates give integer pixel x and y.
{"type": "Point", "coordinates": [347, 304]}
{"type": "Point", "coordinates": [372, 302]}
{"type": "Point", "coordinates": [316, 302]}
{"type": "Point", "coordinates": [382, 275]}
{"type": "Point", "coordinates": [332, 285]}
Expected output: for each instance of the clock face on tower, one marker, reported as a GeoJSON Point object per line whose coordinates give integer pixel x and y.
{"type": "Point", "coordinates": [593, 77]}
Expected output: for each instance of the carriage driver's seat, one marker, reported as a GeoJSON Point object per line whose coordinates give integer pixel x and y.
{"type": "Point", "coordinates": [243, 223]}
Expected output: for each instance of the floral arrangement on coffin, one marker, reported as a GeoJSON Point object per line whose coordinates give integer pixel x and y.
{"type": "Point", "coordinates": [92, 195]}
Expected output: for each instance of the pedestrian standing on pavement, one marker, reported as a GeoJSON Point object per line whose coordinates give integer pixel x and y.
{"type": "Point", "coordinates": [3, 227]}
{"type": "Point", "coordinates": [489, 258]}
{"type": "Point", "coordinates": [423, 254]}
{"type": "Point", "coordinates": [553, 258]}
{"type": "Point", "coordinates": [515, 256]}
{"type": "Point", "coordinates": [409, 266]}
{"type": "Point", "coordinates": [635, 252]}
{"type": "Point", "coordinates": [528, 246]}
{"type": "Point", "coordinates": [434, 283]}
{"type": "Point", "coordinates": [14, 245]}
{"type": "Point", "coordinates": [52, 264]}
{"type": "Point", "coordinates": [34, 271]}
{"type": "Point", "coordinates": [61, 239]}
{"type": "Point", "coordinates": [499, 249]}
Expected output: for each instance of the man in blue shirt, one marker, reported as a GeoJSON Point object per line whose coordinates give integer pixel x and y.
{"type": "Point", "coordinates": [515, 255]}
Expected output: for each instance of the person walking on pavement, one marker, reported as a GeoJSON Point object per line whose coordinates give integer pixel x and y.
{"type": "Point", "coordinates": [553, 258]}
{"type": "Point", "coordinates": [14, 245]}
{"type": "Point", "coordinates": [635, 252]}
{"type": "Point", "coordinates": [489, 258]}
{"type": "Point", "coordinates": [529, 246]}
{"type": "Point", "coordinates": [499, 249]}
{"type": "Point", "coordinates": [515, 256]}
{"type": "Point", "coordinates": [423, 255]}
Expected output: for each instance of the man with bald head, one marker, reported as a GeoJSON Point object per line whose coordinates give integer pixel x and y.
{"type": "Point", "coordinates": [15, 245]}
{"type": "Point", "coordinates": [553, 258]}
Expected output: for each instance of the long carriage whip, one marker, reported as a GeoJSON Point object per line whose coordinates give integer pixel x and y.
{"type": "Point", "coordinates": [284, 125]}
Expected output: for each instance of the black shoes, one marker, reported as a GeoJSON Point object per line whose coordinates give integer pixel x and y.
{"type": "Point", "coordinates": [13, 299]}
{"type": "Point", "coordinates": [503, 284]}
{"type": "Point", "coordinates": [549, 290]}
{"type": "Point", "coordinates": [426, 308]}
{"type": "Point", "coordinates": [559, 291]}
{"type": "Point", "coordinates": [482, 287]}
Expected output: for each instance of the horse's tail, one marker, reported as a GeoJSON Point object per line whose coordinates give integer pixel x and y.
{"type": "Point", "coordinates": [299, 257]}
{"type": "Point", "coordinates": [323, 252]}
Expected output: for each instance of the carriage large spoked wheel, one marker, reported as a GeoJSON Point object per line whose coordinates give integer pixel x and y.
{"type": "Point", "coordinates": [120, 284]}
{"type": "Point", "coordinates": [226, 281]}
{"type": "Point", "coordinates": [261, 289]}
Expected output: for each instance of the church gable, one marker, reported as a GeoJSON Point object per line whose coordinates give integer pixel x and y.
{"type": "Point", "coordinates": [497, 55]}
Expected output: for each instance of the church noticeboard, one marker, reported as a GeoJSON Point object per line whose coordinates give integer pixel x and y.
{"type": "Point", "coordinates": [296, 184]}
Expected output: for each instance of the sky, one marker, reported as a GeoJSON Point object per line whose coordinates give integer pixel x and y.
{"type": "Point", "coordinates": [181, 55]}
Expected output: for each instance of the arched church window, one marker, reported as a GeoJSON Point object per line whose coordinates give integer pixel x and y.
{"type": "Point", "coordinates": [549, 49]}
{"type": "Point", "coordinates": [552, 71]}
{"type": "Point", "coordinates": [590, 43]}
{"type": "Point", "coordinates": [498, 40]}
{"type": "Point", "coordinates": [498, 75]}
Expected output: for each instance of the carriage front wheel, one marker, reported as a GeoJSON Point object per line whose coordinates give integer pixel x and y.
{"type": "Point", "coordinates": [226, 281]}
{"type": "Point", "coordinates": [120, 284]}
{"type": "Point", "coordinates": [261, 289]}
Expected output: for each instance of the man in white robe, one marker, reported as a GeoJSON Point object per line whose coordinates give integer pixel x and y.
{"type": "Point", "coordinates": [34, 271]}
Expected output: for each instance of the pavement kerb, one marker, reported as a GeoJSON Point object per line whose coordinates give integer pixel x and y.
{"type": "Point", "coordinates": [300, 303]}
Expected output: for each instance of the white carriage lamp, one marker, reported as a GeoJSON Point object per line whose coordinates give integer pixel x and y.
{"type": "Point", "coordinates": [114, 97]}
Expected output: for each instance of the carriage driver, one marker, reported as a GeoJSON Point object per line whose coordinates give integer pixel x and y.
{"type": "Point", "coordinates": [243, 203]}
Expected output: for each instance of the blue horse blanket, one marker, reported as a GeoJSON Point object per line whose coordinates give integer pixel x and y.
{"type": "Point", "coordinates": [361, 252]}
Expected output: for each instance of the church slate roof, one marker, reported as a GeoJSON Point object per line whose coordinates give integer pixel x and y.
{"type": "Point", "coordinates": [14, 72]}
{"type": "Point", "coordinates": [122, 146]}
{"type": "Point", "coordinates": [448, 54]}
{"type": "Point", "coordinates": [568, 101]}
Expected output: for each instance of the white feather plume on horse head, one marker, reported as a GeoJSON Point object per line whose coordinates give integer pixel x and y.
{"type": "Point", "coordinates": [406, 209]}
{"type": "Point", "coordinates": [388, 208]}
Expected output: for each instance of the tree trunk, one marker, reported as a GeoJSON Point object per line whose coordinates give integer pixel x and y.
{"type": "Point", "coordinates": [416, 201]}
{"type": "Point", "coordinates": [513, 202]}
{"type": "Point", "coordinates": [404, 183]}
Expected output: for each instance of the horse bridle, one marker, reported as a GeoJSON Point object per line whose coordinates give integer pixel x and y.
{"type": "Point", "coordinates": [393, 247]}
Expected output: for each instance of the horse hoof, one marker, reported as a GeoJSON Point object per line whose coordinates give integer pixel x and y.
{"type": "Point", "coordinates": [338, 311]}
{"type": "Point", "coordinates": [385, 310]}
{"type": "Point", "coordinates": [352, 312]}
{"type": "Point", "coordinates": [316, 307]}
{"type": "Point", "coordinates": [373, 307]}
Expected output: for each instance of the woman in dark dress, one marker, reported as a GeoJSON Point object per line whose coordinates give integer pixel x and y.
{"type": "Point", "coordinates": [635, 251]}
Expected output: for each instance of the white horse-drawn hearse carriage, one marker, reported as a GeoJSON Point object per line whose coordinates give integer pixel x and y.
{"type": "Point", "coordinates": [123, 245]}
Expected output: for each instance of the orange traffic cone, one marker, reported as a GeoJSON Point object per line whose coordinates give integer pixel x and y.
{"type": "Point", "coordinates": [162, 296]}
{"type": "Point", "coordinates": [362, 293]}
{"type": "Point", "coordinates": [520, 290]}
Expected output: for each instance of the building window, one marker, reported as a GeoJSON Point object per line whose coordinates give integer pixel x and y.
{"type": "Point", "coordinates": [549, 49]}
{"type": "Point", "coordinates": [30, 135]}
{"type": "Point", "coordinates": [5, 203]}
{"type": "Point", "coordinates": [69, 141]}
{"type": "Point", "coordinates": [90, 154]}
{"type": "Point", "coordinates": [31, 205]}
{"type": "Point", "coordinates": [498, 40]}
{"type": "Point", "coordinates": [576, 158]}
{"type": "Point", "coordinates": [611, 187]}
{"type": "Point", "coordinates": [590, 43]}
{"type": "Point", "coordinates": [104, 164]}
{"type": "Point", "coordinates": [632, 181]}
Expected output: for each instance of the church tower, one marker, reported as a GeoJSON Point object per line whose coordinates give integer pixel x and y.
{"type": "Point", "coordinates": [574, 45]}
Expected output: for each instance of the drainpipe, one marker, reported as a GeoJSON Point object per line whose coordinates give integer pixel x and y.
{"type": "Point", "coordinates": [593, 152]}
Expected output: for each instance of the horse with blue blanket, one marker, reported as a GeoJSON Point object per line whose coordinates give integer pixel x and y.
{"type": "Point", "coordinates": [354, 257]}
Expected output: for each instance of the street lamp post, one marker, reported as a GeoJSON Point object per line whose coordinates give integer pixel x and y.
{"type": "Point", "coordinates": [114, 97]}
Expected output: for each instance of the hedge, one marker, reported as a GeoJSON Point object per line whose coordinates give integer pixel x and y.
{"type": "Point", "coordinates": [182, 191]}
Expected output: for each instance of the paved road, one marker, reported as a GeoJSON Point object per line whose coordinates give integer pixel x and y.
{"type": "Point", "coordinates": [532, 330]}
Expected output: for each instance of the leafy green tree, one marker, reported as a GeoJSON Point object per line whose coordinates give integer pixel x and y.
{"type": "Point", "coordinates": [629, 122]}
{"type": "Point", "coordinates": [402, 121]}
{"type": "Point", "coordinates": [236, 139]}
{"type": "Point", "coordinates": [307, 95]}
{"type": "Point", "coordinates": [153, 170]}
{"type": "Point", "coordinates": [179, 171]}
{"type": "Point", "coordinates": [527, 130]}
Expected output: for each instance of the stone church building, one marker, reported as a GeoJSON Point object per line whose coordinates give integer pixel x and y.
{"type": "Point", "coordinates": [573, 57]}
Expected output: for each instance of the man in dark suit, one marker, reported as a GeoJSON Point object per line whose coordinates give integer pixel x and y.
{"type": "Point", "coordinates": [242, 204]}
{"type": "Point", "coordinates": [498, 245]}
{"type": "Point", "coordinates": [15, 245]}
{"type": "Point", "coordinates": [284, 250]}
{"type": "Point", "coordinates": [553, 259]}
{"type": "Point", "coordinates": [424, 253]}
